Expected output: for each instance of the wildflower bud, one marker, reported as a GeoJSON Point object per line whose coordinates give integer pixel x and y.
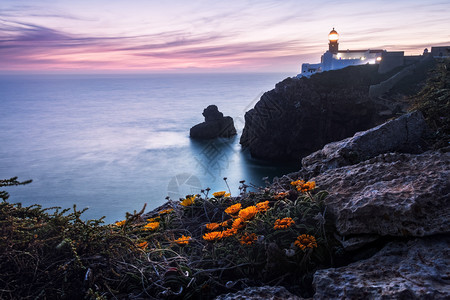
{"type": "Point", "coordinates": [224, 178]}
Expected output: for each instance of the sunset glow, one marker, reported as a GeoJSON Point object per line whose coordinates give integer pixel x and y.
{"type": "Point", "coordinates": [206, 36]}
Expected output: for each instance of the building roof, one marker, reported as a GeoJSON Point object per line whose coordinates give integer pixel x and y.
{"type": "Point", "coordinates": [353, 51]}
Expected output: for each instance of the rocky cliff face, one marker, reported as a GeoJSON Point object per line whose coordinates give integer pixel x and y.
{"type": "Point", "coordinates": [377, 197]}
{"type": "Point", "coordinates": [300, 116]}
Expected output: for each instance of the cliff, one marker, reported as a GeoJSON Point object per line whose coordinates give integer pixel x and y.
{"type": "Point", "coordinates": [369, 223]}
{"type": "Point", "coordinates": [300, 116]}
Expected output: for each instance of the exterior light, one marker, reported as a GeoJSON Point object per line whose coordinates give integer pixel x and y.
{"type": "Point", "coordinates": [379, 58]}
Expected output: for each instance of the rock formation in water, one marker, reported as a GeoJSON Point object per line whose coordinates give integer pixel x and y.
{"type": "Point", "coordinates": [215, 125]}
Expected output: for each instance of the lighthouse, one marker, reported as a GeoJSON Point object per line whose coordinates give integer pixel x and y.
{"type": "Point", "coordinates": [334, 59]}
{"type": "Point", "coordinates": [333, 37]}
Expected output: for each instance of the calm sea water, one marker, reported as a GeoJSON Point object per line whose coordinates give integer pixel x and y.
{"type": "Point", "coordinates": [115, 142]}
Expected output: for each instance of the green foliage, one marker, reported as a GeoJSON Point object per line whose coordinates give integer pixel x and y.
{"type": "Point", "coordinates": [434, 102]}
{"type": "Point", "coordinates": [53, 253]}
{"type": "Point", "coordinates": [10, 182]}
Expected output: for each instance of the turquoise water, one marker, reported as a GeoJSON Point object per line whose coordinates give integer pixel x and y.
{"type": "Point", "coordinates": [115, 142]}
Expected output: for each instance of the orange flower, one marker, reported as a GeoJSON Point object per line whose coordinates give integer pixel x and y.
{"type": "Point", "coordinates": [151, 226]}
{"type": "Point", "coordinates": [297, 182]}
{"type": "Point", "coordinates": [248, 213]}
{"type": "Point", "coordinates": [212, 226]}
{"type": "Point", "coordinates": [212, 236]}
{"type": "Point", "coordinates": [262, 206]}
{"type": "Point", "coordinates": [281, 195]}
{"type": "Point", "coordinates": [233, 209]}
{"type": "Point", "coordinates": [219, 194]}
{"type": "Point", "coordinates": [143, 245]}
{"type": "Point", "coordinates": [227, 195]}
{"type": "Point", "coordinates": [303, 187]}
{"type": "Point", "coordinates": [229, 232]}
{"type": "Point", "coordinates": [120, 223]}
{"type": "Point", "coordinates": [183, 240]}
{"type": "Point", "coordinates": [166, 211]}
{"type": "Point", "coordinates": [156, 219]}
{"type": "Point", "coordinates": [238, 223]}
{"type": "Point", "coordinates": [283, 223]}
{"type": "Point", "coordinates": [248, 238]}
{"type": "Point", "coordinates": [306, 241]}
{"type": "Point", "coordinates": [188, 201]}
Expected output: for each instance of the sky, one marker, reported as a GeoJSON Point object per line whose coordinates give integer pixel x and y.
{"type": "Point", "coordinates": [207, 36]}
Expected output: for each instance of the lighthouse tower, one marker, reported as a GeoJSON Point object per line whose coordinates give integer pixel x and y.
{"type": "Point", "coordinates": [333, 37]}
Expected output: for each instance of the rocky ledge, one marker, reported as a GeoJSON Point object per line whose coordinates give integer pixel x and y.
{"type": "Point", "coordinates": [417, 269]}
{"type": "Point", "coordinates": [393, 201]}
{"type": "Point", "coordinates": [215, 125]}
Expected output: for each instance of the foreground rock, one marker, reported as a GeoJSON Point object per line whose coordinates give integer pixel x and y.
{"type": "Point", "coordinates": [392, 194]}
{"type": "Point", "coordinates": [400, 135]}
{"type": "Point", "coordinates": [264, 292]}
{"type": "Point", "coordinates": [402, 270]}
{"type": "Point", "coordinates": [215, 125]}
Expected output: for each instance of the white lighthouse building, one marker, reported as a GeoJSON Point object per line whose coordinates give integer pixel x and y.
{"type": "Point", "coordinates": [335, 59]}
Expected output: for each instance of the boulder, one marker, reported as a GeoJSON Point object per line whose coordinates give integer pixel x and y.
{"type": "Point", "coordinates": [417, 269]}
{"type": "Point", "coordinates": [400, 135]}
{"type": "Point", "coordinates": [215, 125]}
{"type": "Point", "coordinates": [263, 292]}
{"type": "Point", "coordinates": [389, 195]}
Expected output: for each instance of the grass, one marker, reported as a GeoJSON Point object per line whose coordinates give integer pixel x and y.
{"type": "Point", "coordinates": [434, 102]}
{"type": "Point", "coordinates": [52, 253]}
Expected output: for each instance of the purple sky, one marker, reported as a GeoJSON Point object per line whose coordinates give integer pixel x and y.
{"type": "Point", "coordinates": [206, 36]}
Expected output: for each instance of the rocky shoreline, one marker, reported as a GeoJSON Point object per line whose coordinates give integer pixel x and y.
{"type": "Point", "coordinates": [388, 194]}
{"type": "Point", "coordinates": [391, 211]}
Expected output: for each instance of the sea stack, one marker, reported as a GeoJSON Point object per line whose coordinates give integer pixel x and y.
{"type": "Point", "coordinates": [215, 125]}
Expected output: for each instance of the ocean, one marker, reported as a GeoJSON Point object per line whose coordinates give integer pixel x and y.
{"type": "Point", "coordinates": [112, 143]}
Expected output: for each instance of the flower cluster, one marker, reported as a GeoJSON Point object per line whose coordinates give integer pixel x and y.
{"type": "Point", "coordinates": [306, 241]}
{"type": "Point", "coordinates": [303, 187]}
{"type": "Point", "coordinates": [283, 223]}
{"type": "Point", "coordinates": [183, 240]}
{"type": "Point", "coordinates": [217, 235]}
